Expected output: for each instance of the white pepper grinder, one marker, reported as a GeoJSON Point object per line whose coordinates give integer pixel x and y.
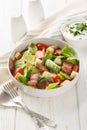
{"type": "Point", "coordinates": [34, 13]}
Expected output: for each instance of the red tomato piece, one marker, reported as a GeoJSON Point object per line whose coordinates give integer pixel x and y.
{"type": "Point", "coordinates": [76, 68]}
{"type": "Point", "coordinates": [18, 70]}
{"type": "Point", "coordinates": [41, 46]}
{"type": "Point", "coordinates": [57, 79]}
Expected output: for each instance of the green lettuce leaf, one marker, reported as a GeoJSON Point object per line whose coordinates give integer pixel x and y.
{"type": "Point", "coordinates": [22, 79]}
{"type": "Point", "coordinates": [48, 55]}
{"type": "Point", "coordinates": [68, 51]}
{"type": "Point", "coordinates": [73, 60]}
{"type": "Point", "coordinates": [64, 75]}
{"type": "Point", "coordinates": [32, 48]}
{"type": "Point", "coordinates": [42, 79]}
{"type": "Point", "coordinates": [28, 57]}
{"type": "Point", "coordinates": [19, 63]}
{"type": "Point", "coordinates": [52, 86]}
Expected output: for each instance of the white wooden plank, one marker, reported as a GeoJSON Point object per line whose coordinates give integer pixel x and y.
{"type": "Point", "coordinates": [7, 119]}
{"type": "Point", "coordinates": [82, 92]}
{"type": "Point", "coordinates": [42, 106]}
{"type": "Point", "coordinates": [23, 121]}
{"type": "Point", "coordinates": [7, 115]}
{"type": "Point", "coordinates": [62, 109]}
{"type": "Point", "coordinates": [65, 110]}
{"type": "Point", "coordinates": [71, 118]}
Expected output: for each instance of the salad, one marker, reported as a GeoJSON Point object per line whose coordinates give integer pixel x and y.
{"type": "Point", "coordinates": [41, 66]}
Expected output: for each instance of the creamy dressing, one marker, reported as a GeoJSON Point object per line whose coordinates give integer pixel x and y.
{"type": "Point", "coordinates": [80, 34]}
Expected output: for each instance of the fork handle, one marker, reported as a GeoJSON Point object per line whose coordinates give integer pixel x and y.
{"type": "Point", "coordinates": [37, 116]}
{"type": "Point", "coordinates": [46, 120]}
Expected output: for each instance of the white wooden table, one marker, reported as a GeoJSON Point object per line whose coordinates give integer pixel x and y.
{"type": "Point", "coordinates": [68, 109]}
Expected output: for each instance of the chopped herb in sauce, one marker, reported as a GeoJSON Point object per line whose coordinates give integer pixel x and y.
{"type": "Point", "coordinates": [76, 28]}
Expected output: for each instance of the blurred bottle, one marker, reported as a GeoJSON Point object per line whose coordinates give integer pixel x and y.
{"type": "Point", "coordinates": [18, 26]}
{"type": "Point", "coordinates": [33, 12]}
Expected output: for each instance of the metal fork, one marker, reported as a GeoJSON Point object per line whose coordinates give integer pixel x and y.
{"type": "Point", "coordinates": [40, 120]}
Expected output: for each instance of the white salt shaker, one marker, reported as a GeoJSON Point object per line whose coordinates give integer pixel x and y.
{"type": "Point", "coordinates": [18, 26]}
{"type": "Point", "coordinates": [34, 11]}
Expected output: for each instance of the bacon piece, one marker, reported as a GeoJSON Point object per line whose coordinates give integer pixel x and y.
{"type": "Point", "coordinates": [32, 83]}
{"type": "Point", "coordinates": [44, 84]}
{"type": "Point", "coordinates": [57, 52]}
{"type": "Point", "coordinates": [76, 68]}
{"type": "Point", "coordinates": [67, 68]}
{"type": "Point", "coordinates": [39, 54]}
{"type": "Point", "coordinates": [41, 67]}
{"type": "Point", "coordinates": [11, 64]}
{"type": "Point", "coordinates": [35, 76]}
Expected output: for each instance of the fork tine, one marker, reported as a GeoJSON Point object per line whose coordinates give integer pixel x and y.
{"type": "Point", "coordinates": [9, 88]}
{"type": "Point", "coordinates": [13, 89]}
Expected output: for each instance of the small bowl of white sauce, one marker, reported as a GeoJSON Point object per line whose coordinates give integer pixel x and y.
{"type": "Point", "coordinates": [75, 32]}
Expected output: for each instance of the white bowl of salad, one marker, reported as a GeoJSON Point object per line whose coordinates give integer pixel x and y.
{"type": "Point", "coordinates": [75, 32]}
{"type": "Point", "coordinates": [44, 67]}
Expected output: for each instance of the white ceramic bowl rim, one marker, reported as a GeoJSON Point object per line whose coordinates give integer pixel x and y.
{"type": "Point", "coordinates": [40, 92]}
